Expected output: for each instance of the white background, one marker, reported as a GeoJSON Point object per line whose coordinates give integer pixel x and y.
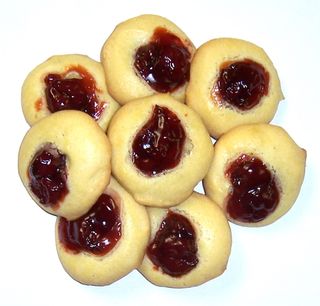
{"type": "Point", "coordinates": [275, 265]}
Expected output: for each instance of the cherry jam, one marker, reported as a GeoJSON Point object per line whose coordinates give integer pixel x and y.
{"type": "Point", "coordinates": [254, 194]}
{"type": "Point", "coordinates": [48, 176]}
{"type": "Point", "coordinates": [97, 232]}
{"type": "Point", "coordinates": [158, 146]}
{"type": "Point", "coordinates": [174, 248]}
{"type": "Point", "coordinates": [64, 93]}
{"type": "Point", "coordinates": [242, 84]}
{"type": "Point", "coordinates": [164, 63]}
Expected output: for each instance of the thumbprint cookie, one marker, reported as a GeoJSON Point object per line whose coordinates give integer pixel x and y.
{"type": "Point", "coordinates": [160, 149]}
{"type": "Point", "coordinates": [67, 82]}
{"type": "Point", "coordinates": [256, 174]}
{"type": "Point", "coordinates": [64, 163]}
{"type": "Point", "coordinates": [189, 245]}
{"type": "Point", "coordinates": [145, 55]}
{"type": "Point", "coordinates": [232, 82]}
{"type": "Point", "coordinates": [107, 242]}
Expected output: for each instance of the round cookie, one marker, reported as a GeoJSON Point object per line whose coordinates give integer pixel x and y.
{"type": "Point", "coordinates": [91, 265]}
{"type": "Point", "coordinates": [70, 81]}
{"type": "Point", "coordinates": [192, 248]}
{"type": "Point", "coordinates": [160, 150]}
{"type": "Point", "coordinates": [232, 82]}
{"type": "Point", "coordinates": [145, 55]}
{"type": "Point", "coordinates": [64, 163]}
{"type": "Point", "coordinates": [256, 174]}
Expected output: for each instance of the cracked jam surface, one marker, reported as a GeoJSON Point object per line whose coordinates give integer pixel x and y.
{"type": "Point", "coordinates": [254, 194]}
{"type": "Point", "coordinates": [48, 176]}
{"type": "Point", "coordinates": [158, 146]}
{"type": "Point", "coordinates": [76, 93]}
{"type": "Point", "coordinates": [241, 84]}
{"type": "Point", "coordinates": [96, 232]}
{"type": "Point", "coordinates": [174, 248]}
{"type": "Point", "coordinates": [164, 63]}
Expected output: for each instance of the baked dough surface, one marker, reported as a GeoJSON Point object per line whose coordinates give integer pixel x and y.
{"type": "Point", "coordinates": [117, 56]}
{"type": "Point", "coordinates": [275, 148]}
{"type": "Point", "coordinates": [33, 97]}
{"type": "Point", "coordinates": [172, 186]}
{"type": "Point", "coordinates": [204, 72]}
{"type": "Point", "coordinates": [213, 241]}
{"type": "Point", "coordinates": [126, 255]}
{"type": "Point", "coordinates": [88, 154]}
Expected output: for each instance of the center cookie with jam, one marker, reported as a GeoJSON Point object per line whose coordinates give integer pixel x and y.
{"type": "Point", "coordinates": [160, 149]}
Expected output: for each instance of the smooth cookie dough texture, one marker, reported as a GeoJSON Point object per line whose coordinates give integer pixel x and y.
{"type": "Point", "coordinates": [226, 76]}
{"type": "Point", "coordinates": [72, 81]}
{"type": "Point", "coordinates": [86, 153]}
{"type": "Point", "coordinates": [119, 53]}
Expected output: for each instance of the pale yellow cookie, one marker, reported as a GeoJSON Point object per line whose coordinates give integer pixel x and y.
{"type": "Point", "coordinates": [169, 186]}
{"type": "Point", "coordinates": [68, 66]}
{"type": "Point", "coordinates": [125, 255]}
{"type": "Point", "coordinates": [87, 153]}
{"type": "Point", "coordinates": [118, 57]}
{"type": "Point", "coordinates": [203, 95]}
{"type": "Point", "coordinates": [210, 232]}
{"type": "Point", "coordinates": [279, 154]}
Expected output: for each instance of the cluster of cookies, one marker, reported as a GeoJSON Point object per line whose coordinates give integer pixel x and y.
{"type": "Point", "coordinates": [116, 148]}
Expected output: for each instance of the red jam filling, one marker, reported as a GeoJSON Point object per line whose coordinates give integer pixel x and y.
{"type": "Point", "coordinates": [174, 248]}
{"type": "Point", "coordinates": [48, 175]}
{"type": "Point", "coordinates": [242, 84]}
{"type": "Point", "coordinates": [38, 105]}
{"type": "Point", "coordinates": [254, 194]}
{"type": "Point", "coordinates": [158, 146]}
{"type": "Point", "coordinates": [164, 63]}
{"type": "Point", "coordinates": [79, 93]}
{"type": "Point", "coordinates": [96, 232]}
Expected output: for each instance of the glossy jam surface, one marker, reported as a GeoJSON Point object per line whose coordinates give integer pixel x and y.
{"type": "Point", "coordinates": [255, 194]}
{"type": "Point", "coordinates": [242, 84]}
{"type": "Point", "coordinates": [164, 63]}
{"type": "Point", "coordinates": [174, 248]}
{"type": "Point", "coordinates": [97, 232]}
{"type": "Point", "coordinates": [77, 93]}
{"type": "Point", "coordinates": [48, 176]}
{"type": "Point", "coordinates": [158, 146]}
